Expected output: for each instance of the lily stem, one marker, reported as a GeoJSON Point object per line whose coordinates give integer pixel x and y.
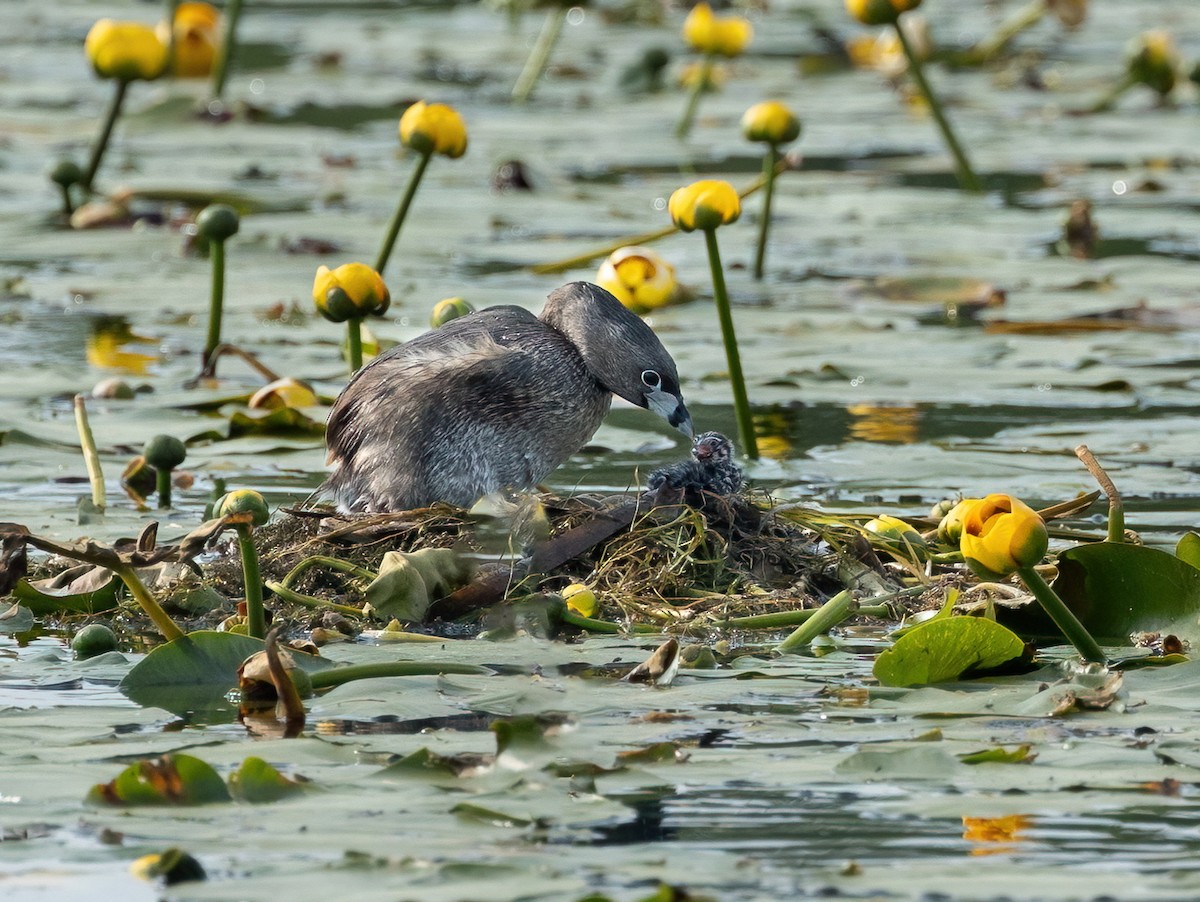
{"type": "Point", "coordinates": [311, 601]}
{"type": "Point", "coordinates": [220, 73]}
{"type": "Point", "coordinates": [68, 206]}
{"type": "Point", "coordinates": [1062, 616]}
{"type": "Point", "coordinates": [91, 457]}
{"type": "Point", "coordinates": [539, 54]}
{"type": "Point", "coordinates": [967, 179]}
{"type": "Point", "coordinates": [101, 145]}
{"type": "Point", "coordinates": [336, 676]}
{"type": "Point", "coordinates": [354, 343]}
{"type": "Point", "coordinates": [1116, 507]}
{"type": "Point", "coordinates": [216, 303]}
{"type": "Point", "coordinates": [684, 126]}
{"type": "Point", "coordinates": [256, 621]}
{"type": "Point", "coordinates": [1025, 18]}
{"type": "Point", "coordinates": [169, 629]}
{"type": "Point", "coordinates": [826, 617]}
{"type": "Point", "coordinates": [162, 482]}
{"type": "Point", "coordinates": [332, 563]}
{"type": "Point", "coordinates": [741, 402]}
{"type": "Point", "coordinates": [795, 618]}
{"type": "Point", "coordinates": [770, 161]}
{"type": "Point", "coordinates": [401, 212]}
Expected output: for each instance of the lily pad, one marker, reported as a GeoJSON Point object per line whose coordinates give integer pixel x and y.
{"type": "Point", "coordinates": [1188, 549]}
{"type": "Point", "coordinates": [1117, 589]}
{"type": "Point", "coordinates": [84, 590]}
{"type": "Point", "coordinates": [945, 650]}
{"type": "Point", "coordinates": [257, 781]}
{"type": "Point", "coordinates": [169, 780]}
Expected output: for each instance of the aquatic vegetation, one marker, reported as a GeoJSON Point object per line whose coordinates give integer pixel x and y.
{"type": "Point", "coordinates": [193, 38]}
{"type": "Point", "coordinates": [348, 295]}
{"type": "Point", "coordinates": [711, 36]}
{"type": "Point", "coordinates": [164, 453]}
{"type": "Point", "coordinates": [245, 509]}
{"type": "Point", "coordinates": [639, 278]}
{"type": "Point", "coordinates": [772, 123]}
{"type": "Point", "coordinates": [216, 224]}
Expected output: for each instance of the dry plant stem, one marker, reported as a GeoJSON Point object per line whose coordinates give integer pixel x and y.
{"type": "Point", "coordinates": [410, 192]}
{"type": "Point", "coordinates": [216, 303]}
{"type": "Point", "coordinates": [256, 621]}
{"type": "Point", "coordinates": [354, 343]}
{"type": "Point", "coordinates": [827, 616]}
{"type": "Point", "coordinates": [224, 350]}
{"type": "Point", "coordinates": [285, 689]}
{"type": "Point", "coordinates": [1066, 621]}
{"type": "Point", "coordinates": [967, 179]}
{"type": "Point", "coordinates": [310, 601]}
{"type": "Point", "coordinates": [1024, 18]}
{"type": "Point", "coordinates": [781, 619]}
{"type": "Point", "coordinates": [539, 54]}
{"type": "Point", "coordinates": [1116, 507]}
{"type": "Point", "coordinates": [741, 402]}
{"type": "Point", "coordinates": [770, 162]}
{"type": "Point", "coordinates": [220, 73]}
{"type": "Point", "coordinates": [684, 126]}
{"type": "Point", "coordinates": [91, 457]}
{"type": "Point", "coordinates": [336, 676]}
{"type": "Point", "coordinates": [169, 629]}
{"type": "Point", "coordinates": [558, 266]}
{"type": "Point", "coordinates": [101, 145]}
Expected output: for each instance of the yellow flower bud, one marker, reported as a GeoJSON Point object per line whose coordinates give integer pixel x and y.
{"type": "Point", "coordinates": [638, 277]}
{"type": "Point", "coordinates": [448, 309]}
{"type": "Point", "coordinates": [896, 533]}
{"type": "Point", "coordinates": [197, 32]}
{"type": "Point", "coordinates": [950, 527]}
{"type": "Point", "coordinates": [716, 35]}
{"type": "Point", "coordinates": [705, 204]}
{"type": "Point", "coordinates": [433, 128]}
{"type": "Point", "coordinates": [1153, 61]}
{"type": "Point", "coordinates": [125, 50]}
{"type": "Point", "coordinates": [352, 290]}
{"type": "Point", "coordinates": [770, 122]}
{"type": "Point", "coordinates": [879, 12]}
{"type": "Point", "coordinates": [286, 392]}
{"type": "Point", "coordinates": [1001, 535]}
{"type": "Point", "coordinates": [243, 501]}
{"type": "Point", "coordinates": [581, 599]}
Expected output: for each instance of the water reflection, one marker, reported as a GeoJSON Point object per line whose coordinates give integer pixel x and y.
{"type": "Point", "coordinates": [107, 347]}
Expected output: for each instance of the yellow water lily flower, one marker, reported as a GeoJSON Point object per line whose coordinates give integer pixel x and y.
{"type": "Point", "coordinates": [126, 51]}
{"type": "Point", "coordinates": [581, 599]}
{"type": "Point", "coordinates": [770, 122]}
{"type": "Point", "coordinates": [879, 12]}
{"type": "Point", "coordinates": [705, 205]}
{"type": "Point", "coordinates": [353, 290]}
{"type": "Point", "coordinates": [716, 35]}
{"type": "Point", "coordinates": [197, 32]}
{"type": "Point", "coordinates": [950, 527]}
{"type": "Point", "coordinates": [1153, 61]}
{"type": "Point", "coordinates": [1001, 535]}
{"type": "Point", "coordinates": [434, 128]}
{"type": "Point", "coordinates": [638, 277]}
{"type": "Point", "coordinates": [286, 392]}
{"type": "Point", "coordinates": [883, 52]}
{"type": "Point", "coordinates": [448, 309]}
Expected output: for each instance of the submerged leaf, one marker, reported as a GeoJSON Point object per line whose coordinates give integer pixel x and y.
{"type": "Point", "coordinates": [258, 781]}
{"type": "Point", "coordinates": [169, 780]}
{"type": "Point", "coordinates": [1019, 755]}
{"type": "Point", "coordinates": [943, 650]}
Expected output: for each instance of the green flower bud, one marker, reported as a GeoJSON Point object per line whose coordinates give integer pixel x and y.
{"type": "Point", "coordinates": [448, 309]}
{"type": "Point", "coordinates": [243, 501]}
{"type": "Point", "coordinates": [164, 452]}
{"type": "Point", "coordinates": [217, 222]}
{"type": "Point", "coordinates": [66, 173]}
{"type": "Point", "coordinates": [94, 639]}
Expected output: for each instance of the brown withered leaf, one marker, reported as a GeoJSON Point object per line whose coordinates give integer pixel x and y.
{"type": "Point", "coordinates": [660, 668]}
{"type": "Point", "coordinates": [13, 563]}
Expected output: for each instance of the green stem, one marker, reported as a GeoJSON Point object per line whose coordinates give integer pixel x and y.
{"type": "Point", "coordinates": [310, 601]}
{"type": "Point", "coordinates": [770, 161]}
{"type": "Point", "coordinates": [162, 482]}
{"type": "Point", "coordinates": [256, 621]}
{"type": "Point", "coordinates": [539, 54]}
{"type": "Point", "coordinates": [322, 561]}
{"type": "Point", "coordinates": [1025, 18]}
{"type": "Point", "coordinates": [169, 629]}
{"type": "Point", "coordinates": [1066, 621]}
{"type": "Point", "coordinates": [1116, 507]}
{"type": "Point", "coordinates": [967, 179]}
{"type": "Point", "coordinates": [336, 676]}
{"type": "Point", "coordinates": [216, 302]}
{"type": "Point", "coordinates": [91, 457]}
{"type": "Point", "coordinates": [68, 207]}
{"type": "Point", "coordinates": [571, 618]}
{"type": "Point", "coordinates": [684, 126]}
{"type": "Point", "coordinates": [741, 402]}
{"type": "Point", "coordinates": [220, 73]}
{"type": "Point", "coordinates": [823, 619]}
{"type": "Point", "coordinates": [1114, 94]}
{"type": "Point", "coordinates": [401, 212]}
{"type": "Point", "coordinates": [782, 619]}
{"type": "Point", "coordinates": [559, 266]}
{"type": "Point", "coordinates": [172, 7]}
{"type": "Point", "coordinates": [101, 145]}
{"type": "Point", "coordinates": [354, 343]}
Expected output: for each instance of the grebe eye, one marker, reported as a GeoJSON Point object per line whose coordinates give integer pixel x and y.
{"type": "Point", "coordinates": [651, 379]}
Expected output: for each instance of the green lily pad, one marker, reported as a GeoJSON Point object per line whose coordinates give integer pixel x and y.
{"type": "Point", "coordinates": [83, 590]}
{"type": "Point", "coordinates": [1117, 589]}
{"type": "Point", "coordinates": [1188, 549]}
{"type": "Point", "coordinates": [258, 781]}
{"type": "Point", "coordinates": [192, 675]}
{"type": "Point", "coordinates": [1019, 755]}
{"type": "Point", "coordinates": [169, 780]}
{"type": "Point", "coordinates": [945, 650]}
